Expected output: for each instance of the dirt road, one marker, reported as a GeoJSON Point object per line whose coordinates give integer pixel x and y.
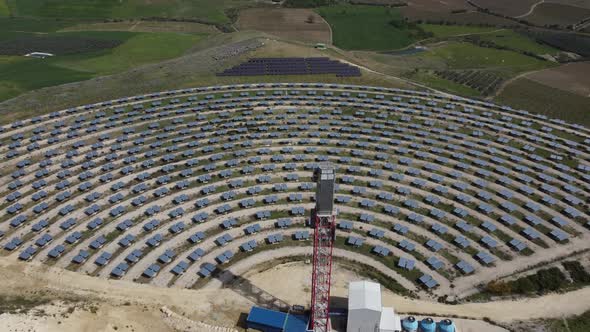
{"type": "Point", "coordinates": [139, 303]}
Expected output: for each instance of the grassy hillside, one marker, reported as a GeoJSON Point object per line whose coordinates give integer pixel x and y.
{"type": "Point", "coordinates": [445, 31]}
{"type": "Point", "coordinates": [20, 74]}
{"type": "Point", "coordinates": [4, 11]}
{"type": "Point", "coordinates": [468, 56]}
{"type": "Point", "coordinates": [138, 50]}
{"type": "Point", "coordinates": [517, 41]}
{"type": "Point", "coordinates": [370, 27]}
{"type": "Point", "coordinates": [18, 27]}
{"type": "Point", "coordinates": [206, 10]}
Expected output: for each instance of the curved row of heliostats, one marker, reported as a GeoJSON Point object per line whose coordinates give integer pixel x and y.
{"type": "Point", "coordinates": [167, 188]}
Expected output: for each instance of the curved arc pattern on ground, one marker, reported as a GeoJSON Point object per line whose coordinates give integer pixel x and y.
{"type": "Point", "coordinates": [359, 135]}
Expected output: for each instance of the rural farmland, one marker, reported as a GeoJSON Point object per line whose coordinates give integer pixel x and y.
{"type": "Point", "coordinates": [572, 77]}
{"type": "Point", "coordinates": [294, 166]}
{"type": "Point", "coordinates": [293, 24]}
{"type": "Point", "coordinates": [507, 7]}
{"type": "Point", "coordinates": [211, 11]}
{"type": "Point", "coordinates": [370, 28]}
{"type": "Point", "coordinates": [557, 14]}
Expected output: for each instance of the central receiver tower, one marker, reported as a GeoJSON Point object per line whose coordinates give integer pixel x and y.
{"type": "Point", "coordinates": [323, 221]}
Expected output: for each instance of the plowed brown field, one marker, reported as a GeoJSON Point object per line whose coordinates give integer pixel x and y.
{"type": "Point", "coordinates": [507, 7]}
{"type": "Point", "coordinates": [293, 24]}
{"type": "Point", "coordinates": [552, 13]}
{"type": "Point", "coordinates": [572, 77]}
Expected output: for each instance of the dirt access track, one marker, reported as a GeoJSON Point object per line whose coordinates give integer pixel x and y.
{"type": "Point", "coordinates": [507, 7]}
{"type": "Point", "coordinates": [123, 303]}
{"type": "Point", "coordinates": [303, 25]}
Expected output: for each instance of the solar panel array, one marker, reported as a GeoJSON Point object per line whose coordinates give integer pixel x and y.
{"type": "Point", "coordinates": [167, 188]}
{"type": "Point", "coordinates": [292, 66]}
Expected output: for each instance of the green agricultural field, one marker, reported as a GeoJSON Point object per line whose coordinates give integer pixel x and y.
{"type": "Point", "coordinates": [4, 11]}
{"type": "Point", "coordinates": [19, 74]}
{"type": "Point", "coordinates": [517, 41]}
{"type": "Point", "coordinates": [19, 27]}
{"type": "Point", "coordinates": [207, 10]}
{"type": "Point", "coordinates": [370, 27]}
{"type": "Point", "coordinates": [445, 31]}
{"type": "Point", "coordinates": [140, 49]}
{"type": "Point", "coordinates": [468, 56]}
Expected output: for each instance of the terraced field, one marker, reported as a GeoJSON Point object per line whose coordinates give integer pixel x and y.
{"type": "Point", "coordinates": [178, 188]}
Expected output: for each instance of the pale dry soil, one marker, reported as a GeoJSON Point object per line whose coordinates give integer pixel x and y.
{"type": "Point", "coordinates": [290, 282]}
{"type": "Point", "coordinates": [84, 303]}
{"type": "Point", "coordinates": [296, 275]}
{"type": "Point", "coordinates": [56, 316]}
{"type": "Point", "coordinates": [93, 304]}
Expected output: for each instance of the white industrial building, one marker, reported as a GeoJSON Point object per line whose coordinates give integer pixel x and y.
{"type": "Point", "coordinates": [365, 312]}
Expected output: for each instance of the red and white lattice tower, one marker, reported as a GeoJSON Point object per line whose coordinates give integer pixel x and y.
{"type": "Point", "coordinates": [323, 220]}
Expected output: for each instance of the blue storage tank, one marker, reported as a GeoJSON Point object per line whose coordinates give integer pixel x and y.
{"type": "Point", "coordinates": [427, 325]}
{"type": "Point", "coordinates": [409, 324]}
{"type": "Point", "coordinates": [446, 325]}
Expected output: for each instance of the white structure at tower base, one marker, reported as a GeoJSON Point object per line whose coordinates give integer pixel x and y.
{"type": "Point", "coordinates": [365, 313]}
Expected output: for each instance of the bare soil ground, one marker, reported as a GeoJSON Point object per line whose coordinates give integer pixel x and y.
{"type": "Point", "coordinates": [294, 274]}
{"type": "Point", "coordinates": [553, 13]}
{"type": "Point", "coordinates": [82, 303]}
{"type": "Point", "coordinates": [288, 23]}
{"type": "Point", "coordinates": [74, 302]}
{"type": "Point", "coordinates": [507, 7]}
{"type": "Point", "coordinates": [575, 3]}
{"type": "Point", "coordinates": [572, 77]}
{"type": "Point", "coordinates": [73, 317]}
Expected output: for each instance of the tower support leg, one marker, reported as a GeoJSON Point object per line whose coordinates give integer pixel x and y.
{"type": "Point", "coordinates": [323, 244]}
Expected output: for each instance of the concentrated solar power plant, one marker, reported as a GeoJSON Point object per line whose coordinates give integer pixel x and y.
{"type": "Point", "coordinates": [175, 187]}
